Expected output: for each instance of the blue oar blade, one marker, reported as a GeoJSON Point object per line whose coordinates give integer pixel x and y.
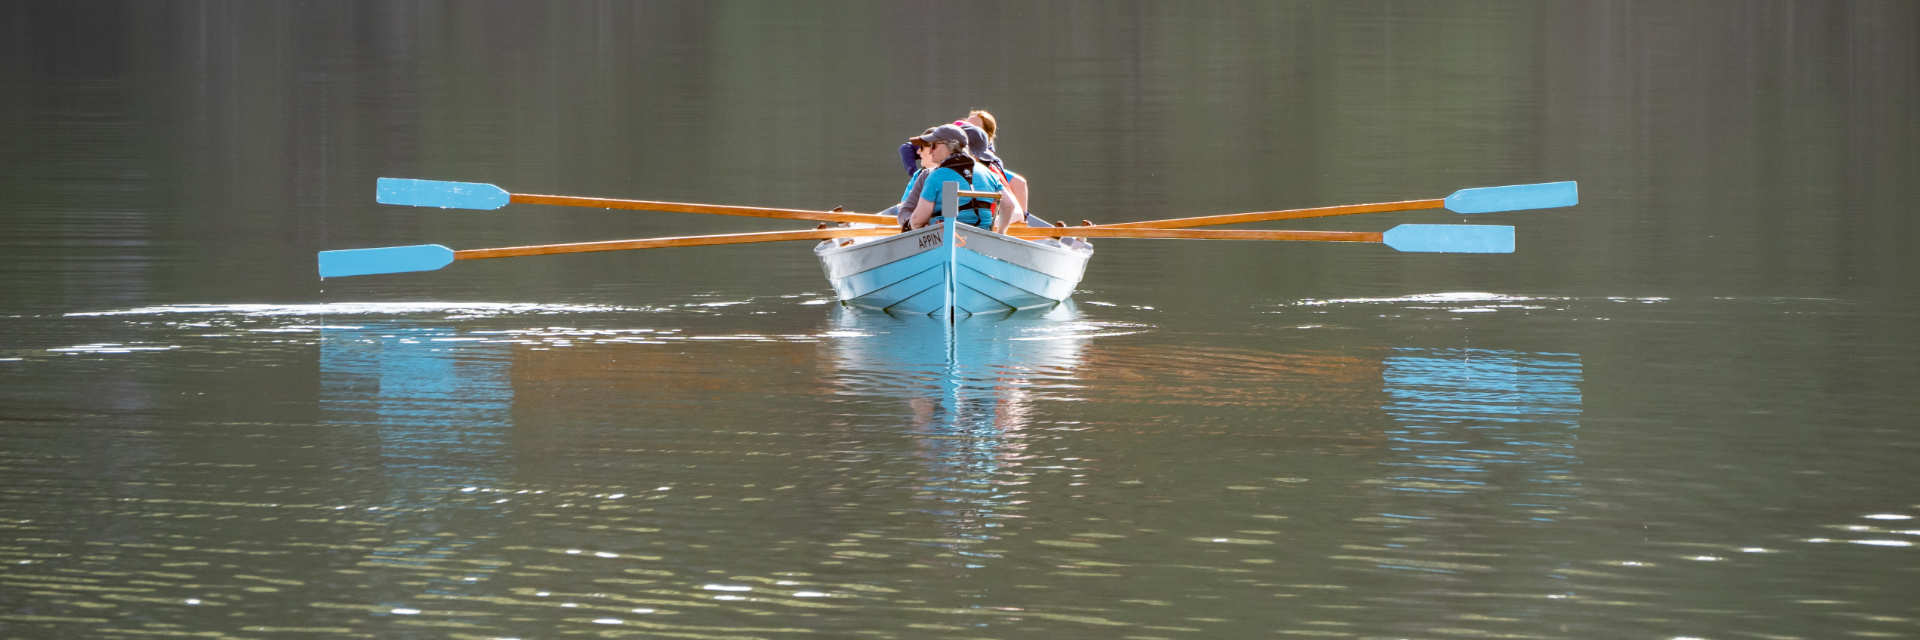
{"type": "Point", "coordinates": [366, 262]}
{"type": "Point", "coordinates": [439, 193]}
{"type": "Point", "coordinates": [1450, 238]}
{"type": "Point", "coordinates": [1545, 195]}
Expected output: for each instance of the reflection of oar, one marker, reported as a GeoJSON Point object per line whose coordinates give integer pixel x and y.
{"type": "Point", "coordinates": [478, 195]}
{"type": "Point", "coordinates": [428, 257]}
{"type": "Point", "coordinates": [1417, 238]}
{"type": "Point", "coordinates": [1480, 200]}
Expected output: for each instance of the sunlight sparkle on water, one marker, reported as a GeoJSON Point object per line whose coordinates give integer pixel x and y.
{"type": "Point", "coordinates": [469, 309]}
{"type": "Point", "coordinates": [110, 347]}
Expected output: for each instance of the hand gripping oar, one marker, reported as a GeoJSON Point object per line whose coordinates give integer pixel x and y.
{"type": "Point", "coordinates": [479, 195]}
{"type": "Point", "coordinates": [428, 257]}
{"type": "Point", "coordinates": [1478, 200]}
{"type": "Point", "coordinates": [1412, 238]}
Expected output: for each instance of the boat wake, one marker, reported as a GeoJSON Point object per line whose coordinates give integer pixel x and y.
{"type": "Point", "coordinates": [1471, 301]}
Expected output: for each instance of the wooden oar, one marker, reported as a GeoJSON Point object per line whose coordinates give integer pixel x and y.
{"type": "Point", "coordinates": [1478, 200]}
{"type": "Point", "coordinates": [479, 195]}
{"type": "Point", "coordinates": [1414, 238]}
{"type": "Point", "coordinates": [428, 257]}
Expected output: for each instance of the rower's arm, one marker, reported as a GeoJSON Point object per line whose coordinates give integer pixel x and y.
{"type": "Point", "coordinates": [1015, 212]}
{"type": "Point", "coordinates": [1018, 185]}
{"type": "Point", "coordinates": [922, 212]}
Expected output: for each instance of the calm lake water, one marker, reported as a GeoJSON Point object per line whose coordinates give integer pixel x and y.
{"type": "Point", "coordinates": [1683, 409]}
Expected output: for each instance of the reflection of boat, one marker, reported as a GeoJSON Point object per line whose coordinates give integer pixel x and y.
{"type": "Point", "coordinates": [909, 273]}
{"type": "Point", "coordinates": [893, 356]}
{"type": "Point", "coordinates": [966, 391]}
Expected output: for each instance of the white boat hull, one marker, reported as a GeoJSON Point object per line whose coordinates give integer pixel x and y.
{"type": "Point", "coordinates": [990, 273]}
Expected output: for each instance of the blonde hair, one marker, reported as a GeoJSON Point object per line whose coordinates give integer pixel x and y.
{"type": "Point", "coordinates": [987, 122]}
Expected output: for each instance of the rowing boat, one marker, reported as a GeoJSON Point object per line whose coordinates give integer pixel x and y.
{"type": "Point", "coordinates": [908, 273]}
{"type": "Point", "coordinates": [945, 270]}
{"type": "Point", "coordinates": [962, 268]}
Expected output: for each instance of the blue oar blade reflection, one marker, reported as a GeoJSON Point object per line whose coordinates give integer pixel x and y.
{"type": "Point", "coordinates": [1485, 421]}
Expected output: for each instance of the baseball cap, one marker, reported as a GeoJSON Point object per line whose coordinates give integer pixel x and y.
{"type": "Point", "coordinates": [942, 133]}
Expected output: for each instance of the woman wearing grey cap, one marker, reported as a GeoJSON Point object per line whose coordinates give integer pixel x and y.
{"type": "Point", "coordinates": [943, 158]}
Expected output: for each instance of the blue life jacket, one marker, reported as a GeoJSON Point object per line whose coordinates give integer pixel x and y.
{"type": "Point", "coordinates": [974, 211]}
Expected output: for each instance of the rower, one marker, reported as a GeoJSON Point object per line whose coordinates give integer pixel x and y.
{"type": "Point", "coordinates": [943, 154]}
{"type": "Point", "coordinates": [981, 128]}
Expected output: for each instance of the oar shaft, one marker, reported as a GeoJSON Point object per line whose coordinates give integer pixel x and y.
{"type": "Point", "coordinates": [1414, 238]}
{"type": "Point", "coordinates": [1110, 231]}
{"type": "Point", "coordinates": [662, 243]}
{"type": "Point", "coordinates": [1284, 214]}
{"type": "Point", "coordinates": [692, 207]}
